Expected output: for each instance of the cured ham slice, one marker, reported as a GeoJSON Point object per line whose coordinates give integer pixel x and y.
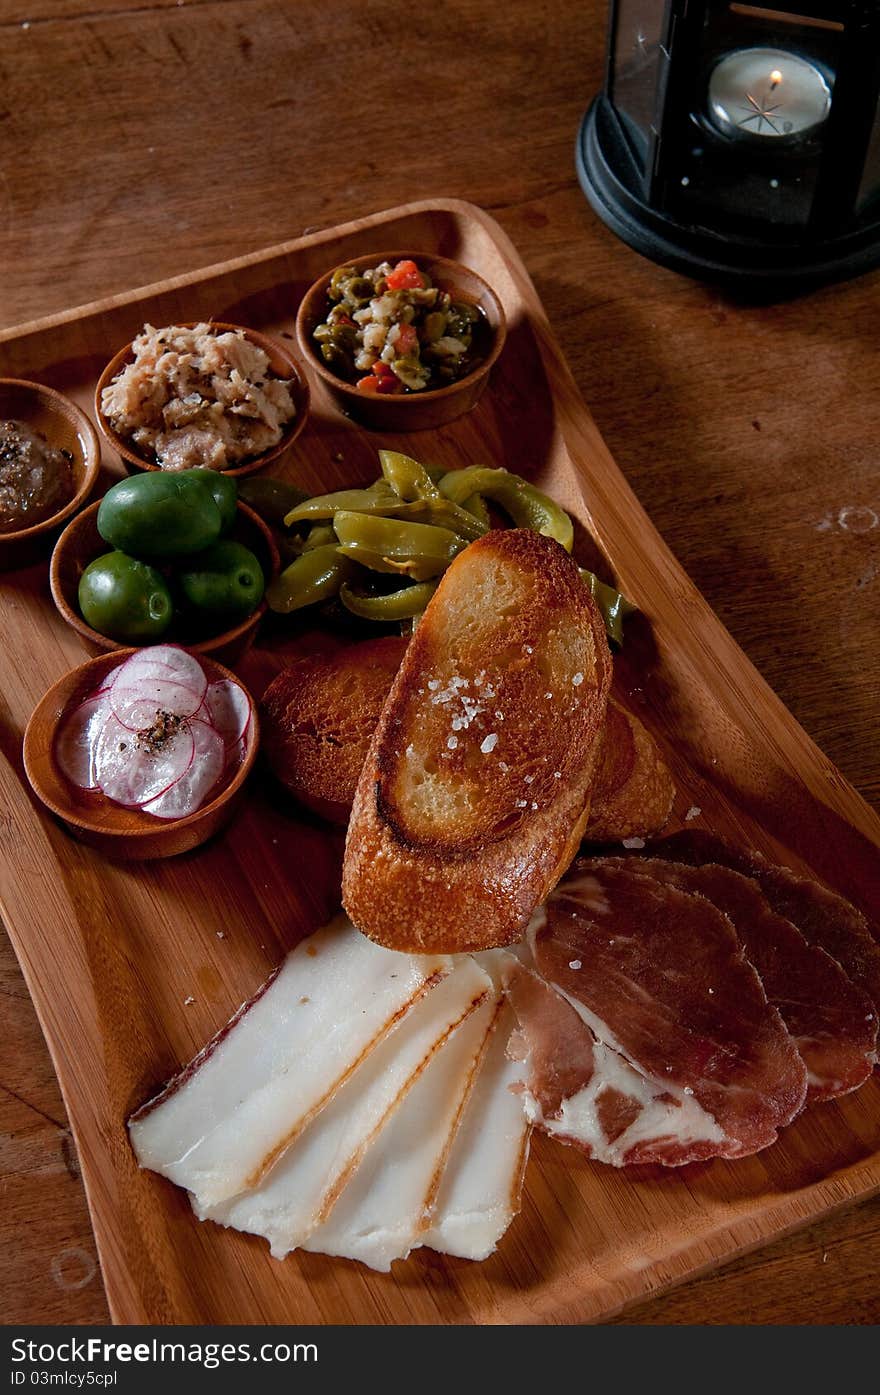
{"type": "Point", "coordinates": [823, 918]}
{"type": "Point", "coordinates": [581, 1091]}
{"type": "Point", "coordinates": [660, 977]}
{"type": "Point", "coordinates": [218, 1127]}
{"type": "Point", "coordinates": [301, 1188]}
{"type": "Point", "coordinates": [386, 1207]}
{"type": "Point", "coordinates": [829, 1018]}
{"type": "Point", "coordinates": [481, 1190]}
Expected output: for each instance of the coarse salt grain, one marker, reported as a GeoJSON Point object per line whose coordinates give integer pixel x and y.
{"type": "Point", "coordinates": [489, 743]}
{"type": "Point", "coordinates": [688, 1090]}
{"type": "Point", "coordinates": [503, 767]}
{"type": "Point", "coordinates": [574, 964]}
{"type": "Point", "coordinates": [521, 803]}
{"type": "Point", "coordinates": [578, 680]}
{"type": "Point", "coordinates": [633, 842]}
{"type": "Point", "coordinates": [530, 779]}
{"type": "Point", "coordinates": [557, 774]}
{"type": "Point", "coordinates": [452, 742]}
{"type": "Point", "coordinates": [433, 684]}
{"type": "Point", "coordinates": [693, 812]}
{"type": "Point", "coordinates": [187, 1001]}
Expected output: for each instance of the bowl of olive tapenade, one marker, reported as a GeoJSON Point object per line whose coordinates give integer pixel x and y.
{"type": "Point", "coordinates": [49, 462]}
{"type": "Point", "coordinates": [402, 341]}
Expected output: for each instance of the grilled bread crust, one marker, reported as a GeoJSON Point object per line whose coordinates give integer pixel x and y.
{"type": "Point", "coordinates": [634, 791]}
{"type": "Point", "coordinates": [475, 790]}
{"type": "Point", "coordinates": [318, 716]}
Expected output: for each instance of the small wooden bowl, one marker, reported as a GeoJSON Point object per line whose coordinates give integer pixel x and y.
{"type": "Point", "coordinates": [66, 427]}
{"type": "Point", "coordinates": [281, 362]}
{"type": "Point", "coordinates": [122, 833]}
{"type": "Point", "coordinates": [410, 411]}
{"type": "Point", "coordinates": [81, 543]}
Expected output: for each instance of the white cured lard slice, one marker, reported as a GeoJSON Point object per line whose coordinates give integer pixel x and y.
{"type": "Point", "coordinates": [220, 1125]}
{"type": "Point", "coordinates": [481, 1189]}
{"type": "Point", "coordinates": [301, 1188]}
{"type": "Point", "coordinates": [383, 1212]}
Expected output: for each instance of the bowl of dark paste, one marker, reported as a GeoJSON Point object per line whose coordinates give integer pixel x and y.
{"type": "Point", "coordinates": [49, 462]}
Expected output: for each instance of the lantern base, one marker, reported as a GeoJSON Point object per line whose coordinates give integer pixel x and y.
{"type": "Point", "coordinates": [780, 265]}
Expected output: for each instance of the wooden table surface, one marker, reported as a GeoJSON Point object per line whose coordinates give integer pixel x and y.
{"type": "Point", "coordinates": [144, 138]}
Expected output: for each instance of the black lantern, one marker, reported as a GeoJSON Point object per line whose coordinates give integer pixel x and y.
{"type": "Point", "coordinates": [740, 141]}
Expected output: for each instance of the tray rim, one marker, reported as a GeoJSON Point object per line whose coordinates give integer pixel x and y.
{"type": "Point", "coordinates": [838, 1189]}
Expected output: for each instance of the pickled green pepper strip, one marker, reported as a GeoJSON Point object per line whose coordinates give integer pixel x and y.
{"type": "Point", "coordinates": [319, 535]}
{"type": "Point", "coordinates": [441, 512]}
{"type": "Point", "coordinates": [611, 603]}
{"type": "Point", "coordinates": [418, 550]}
{"type": "Point", "coordinates": [409, 480]}
{"type": "Point", "coordinates": [476, 505]}
{"type": "Point", "coordinates": [323, 506]}
{"type": "Point", "coordinates": [313, 577]}
{"type": "Point", "coordinates": [525, 504]}
{"type": "Point", "coordinates": [404, 604]}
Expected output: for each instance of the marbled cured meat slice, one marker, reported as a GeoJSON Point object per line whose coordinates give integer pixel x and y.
{"type": "Point", "coordinates": [581, 1091]}
{"type": "Point", "coordinates": [829, 1018]}
{"type": "Point", "coordinates": [660, 976]}
{"type": "Point", "coordinates": [823, 917]}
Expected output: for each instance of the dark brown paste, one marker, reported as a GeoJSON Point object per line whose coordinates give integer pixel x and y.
{"type": "Point", "coordinates": [36, 480]}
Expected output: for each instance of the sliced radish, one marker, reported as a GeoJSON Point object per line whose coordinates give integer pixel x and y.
{"type": "Point", "coordinates": [228, 709]}
{"type": "Point", "coordinates": [132, 771]}
{"type": "Point", "coordinates": [189, 792]}
{"type": "Point", "coordinates": [165, 663]}
{"type": "Point", "coordinates": [136, 707]}
{"type": "Point", "coordinates": [107, 681]}
{"type": "Point", "coordinates": [77, 739]}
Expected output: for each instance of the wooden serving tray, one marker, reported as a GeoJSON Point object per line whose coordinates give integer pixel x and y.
{"type": "Point", "coordinates": [132, 967]}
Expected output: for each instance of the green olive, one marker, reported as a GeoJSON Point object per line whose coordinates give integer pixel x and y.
{"type": "Point", "coordinates": [125, 599]}
{"type": "Point", "coordinates": [270, 498]}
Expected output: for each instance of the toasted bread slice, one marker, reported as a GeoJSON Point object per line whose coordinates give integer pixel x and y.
{"type": "Point", "coordinates": [633, 792]}
{"type": "Point", "coordinates": [475, 790]}
{"type": "Point", "coordinates": [318, 716]}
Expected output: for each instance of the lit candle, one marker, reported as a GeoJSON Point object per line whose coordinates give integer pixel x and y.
{"type": "Point", "coordinates": [765, 94]}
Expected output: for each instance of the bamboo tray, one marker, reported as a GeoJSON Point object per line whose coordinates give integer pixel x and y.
{"type": "Point", "coordinates": [132, 967]}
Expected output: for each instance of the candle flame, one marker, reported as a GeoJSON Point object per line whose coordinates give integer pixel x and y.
{"type": "Point", "coordinates": [775, 78]}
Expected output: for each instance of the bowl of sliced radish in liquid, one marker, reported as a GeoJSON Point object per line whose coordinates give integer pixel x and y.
{"type": "Point", "coordinates": [143, 752]}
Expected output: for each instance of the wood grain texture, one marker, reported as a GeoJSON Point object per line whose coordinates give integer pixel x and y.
{"type": "Point", "coordinates": [749, 433]}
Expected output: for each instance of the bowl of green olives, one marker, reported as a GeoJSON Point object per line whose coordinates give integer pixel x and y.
{"type": "Point", "coordinates": [166, 557]}
{"type": "Point", "coordinates": [401, 341]}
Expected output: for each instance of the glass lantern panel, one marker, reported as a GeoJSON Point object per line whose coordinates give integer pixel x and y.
{"type": "Point", "coordinates": [869, 189]}
{"type": "Point", "coordinates": [636, 58]}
